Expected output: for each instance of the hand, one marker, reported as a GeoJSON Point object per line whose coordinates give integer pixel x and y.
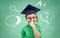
{"type": "Point", "coordinates": [32, 23]}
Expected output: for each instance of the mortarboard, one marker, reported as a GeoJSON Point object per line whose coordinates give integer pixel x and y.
{"type": "Point", "coordinates": [30, 10]}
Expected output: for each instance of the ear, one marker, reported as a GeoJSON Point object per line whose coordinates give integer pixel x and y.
{"type": "Point", "coordinates": [37, 18]}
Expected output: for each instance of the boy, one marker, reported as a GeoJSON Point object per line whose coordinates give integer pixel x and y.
{"type": "Point", "coordinates": [31, 30]}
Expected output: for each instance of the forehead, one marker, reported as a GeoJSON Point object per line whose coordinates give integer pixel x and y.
{"type": "Point", "coordinates": [31, 15]}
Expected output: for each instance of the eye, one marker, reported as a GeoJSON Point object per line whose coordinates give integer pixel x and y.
{"type": "Point", "coordinates": [29, 18]}
{"type": "Point", "coordinates": [34, 17]}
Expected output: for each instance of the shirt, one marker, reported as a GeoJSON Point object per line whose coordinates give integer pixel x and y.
{"type": "Point", "coordinates": [27, 31]}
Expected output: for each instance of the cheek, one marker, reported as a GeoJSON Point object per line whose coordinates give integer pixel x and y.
{"type": "Point", "coordinates": [35, 20]}
{"type": "Point", "coordinates": [28, 20]}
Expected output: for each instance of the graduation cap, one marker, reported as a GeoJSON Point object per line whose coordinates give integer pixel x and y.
{"type": "Point", "coordinates": [30, 10]}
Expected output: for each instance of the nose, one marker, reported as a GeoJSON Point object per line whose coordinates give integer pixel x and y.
{"type": "Point", "coordinates": [32, 19]}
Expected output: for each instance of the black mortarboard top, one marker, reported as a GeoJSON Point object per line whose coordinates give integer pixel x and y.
{"type": "Point", "coordinates": [30, 10]}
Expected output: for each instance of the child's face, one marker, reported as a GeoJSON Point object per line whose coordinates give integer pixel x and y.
{"type": "Point", "coordinates": [31, 17]}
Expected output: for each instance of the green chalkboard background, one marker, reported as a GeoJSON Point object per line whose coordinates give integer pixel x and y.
{"type": "Point", "coordinates": [12, 21]}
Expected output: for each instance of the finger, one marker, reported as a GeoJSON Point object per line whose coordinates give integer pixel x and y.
{"type": "Point", "coordinates": [29, 21]}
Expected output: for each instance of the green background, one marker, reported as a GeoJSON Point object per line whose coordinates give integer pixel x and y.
{"type": "Point", "coordinates": [48, 31]}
